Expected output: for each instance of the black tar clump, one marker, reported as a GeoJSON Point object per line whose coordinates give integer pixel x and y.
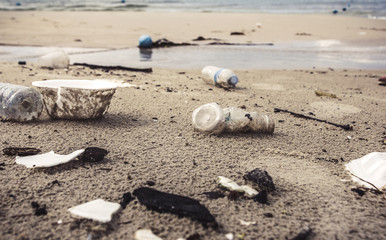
{"type": "Point", "coordinates": [262, 179]}
{"type": "Point", "coordinates": [93, 154]}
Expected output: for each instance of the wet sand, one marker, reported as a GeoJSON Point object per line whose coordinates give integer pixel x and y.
{"type": "Point", "coordinates": [149, 136]}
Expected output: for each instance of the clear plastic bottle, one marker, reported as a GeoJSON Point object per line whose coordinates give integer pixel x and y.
{"type": "Point", "coordinates": [236, 119]}
{"type": "Point", "coordinates": [211, 118]}
{"type": "Point", "coordinates": [219, 76]}
{"type": "Point", "coordinates": [19, 103]}
{"type": "Point", "coordinates": [57, 60]}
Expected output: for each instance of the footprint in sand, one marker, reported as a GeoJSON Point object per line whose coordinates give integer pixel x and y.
{"type": "Point", "coordinates": [330, 109]}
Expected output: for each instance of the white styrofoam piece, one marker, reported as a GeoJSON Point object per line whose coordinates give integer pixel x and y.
{"type": "Point", "coordinates": [370, 168]}
{"type": "Point", "coordinates": [99, 210]}
{"type": "Point", "coordinates": [145, 234]}
{"type": "Point", "coordinates": [47, 159]}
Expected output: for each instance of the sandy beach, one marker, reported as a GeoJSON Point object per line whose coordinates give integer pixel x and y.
{"type": "Point", "coordinates": [151, 142]}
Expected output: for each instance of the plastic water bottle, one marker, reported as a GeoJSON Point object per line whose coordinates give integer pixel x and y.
{"type": "Point", "coordinates": [219, 76]}
{"type": "Point", "coordinates": [58, 59]}
{"type": "Point", "coordinates": [211, 118]}
{"type": "Point", "coordinates": [145, 41]}
{"type": "Point", "coordinates": [261, 123]}
{"type": "Point", "coordinates": [19, 103]}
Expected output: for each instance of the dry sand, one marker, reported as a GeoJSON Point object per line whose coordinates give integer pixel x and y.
{"type": "Point", "coordinates": [149, 135]}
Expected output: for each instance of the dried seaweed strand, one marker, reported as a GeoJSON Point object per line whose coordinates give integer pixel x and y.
{"type": "Point", "coordinates": [345, 127]}
{"type": "Point", "coordinates": [93, 66]}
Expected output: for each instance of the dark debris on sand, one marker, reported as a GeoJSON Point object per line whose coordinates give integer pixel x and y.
{"type": "Point", "coordinates": [262, 179]}
{"type": "Point", "coordinates": [171, 203]}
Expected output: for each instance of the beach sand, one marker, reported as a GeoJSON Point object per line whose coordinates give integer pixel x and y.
{"type": "Point", "coordinates": [149, 135]}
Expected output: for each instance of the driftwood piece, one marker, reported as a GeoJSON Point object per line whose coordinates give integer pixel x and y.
{"type": "Point", "coordinates": [93, 66]}
{"type": "Point", "coordinates": [345, 127]}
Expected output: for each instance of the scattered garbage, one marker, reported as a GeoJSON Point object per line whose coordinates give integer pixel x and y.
{"type": "Point", "coordinates": [233, 186]}
{"type": "Point", "coordinates": [176, 204]}
{"type": "Point", "coordinates": [76, 99]}
{"type": "Point", "coordinates": [145, 234]}
{"type": "Point", "coordinates": [211, 118]}
{"type": "Point", "coordinates": [98, 210]}
{"type": "Point", "coordinates": [219, 76]}
{"type": "Point", "coordinates": [369, 170]}
{"type": "Point", "coordinates": [56, 60]}
{"type": "Point", "coordinates": [15, 151]}
{"type": "Point", "coordinates": [49, 159]}
{"type": "Point", "coordinates": [93, 154]}
{"type": "Point", "coordinates": [145, 41]}
{"type": "Point", "coordinates": [382, 81]}
{"type": "Point", "coordinates": [19, 103]}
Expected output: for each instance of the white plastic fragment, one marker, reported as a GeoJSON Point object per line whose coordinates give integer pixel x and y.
{"type": "Point", "coordinates": [233, 186]}
{"type": "Point", "coordinates": [229, 236]}
{"type": "Point", "coordinates": [369, 170]}
{"type": "Point", "coordinates": [49, 159]}
{"type": "Point", "coordinates": [145, 234]}
{"type": "Point", "coordinates": [98, 210]}
{"type": "Point", "coordinates": [250, 192]}
{"type": "Point", "coordinates": [244, 223]}
{"type": "Point", "coordinates": [229, 184]}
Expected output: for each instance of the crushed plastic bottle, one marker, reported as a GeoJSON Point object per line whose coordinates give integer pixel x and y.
{"type": "Point", "coordinates": [56, 60]}
{"type": "Point", "coordinates": [219, 76]}
{"type": "Point", "coordinates": [236, 119]}
{"type": "Point", "coordinates": [211, 118]}
{"type": "Point", "coordinates": [19, 103]}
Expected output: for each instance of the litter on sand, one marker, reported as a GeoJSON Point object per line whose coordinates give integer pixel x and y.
{"type": "Point", "coordinates": [176, 204]}
{"type": "Point", "coordinates": [369, 170]}
{"type": "Point", "coordinates": [99, 210]}
{"type": "Point", "coordinates": [49, 159]}
{"type": "Point", "coordinates": [145, 234]}
{"type": "Point", "coordinates": [233, 186]}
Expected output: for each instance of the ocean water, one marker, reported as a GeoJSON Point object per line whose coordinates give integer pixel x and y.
{"type": "Point", "coordinates": [364, 8]}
